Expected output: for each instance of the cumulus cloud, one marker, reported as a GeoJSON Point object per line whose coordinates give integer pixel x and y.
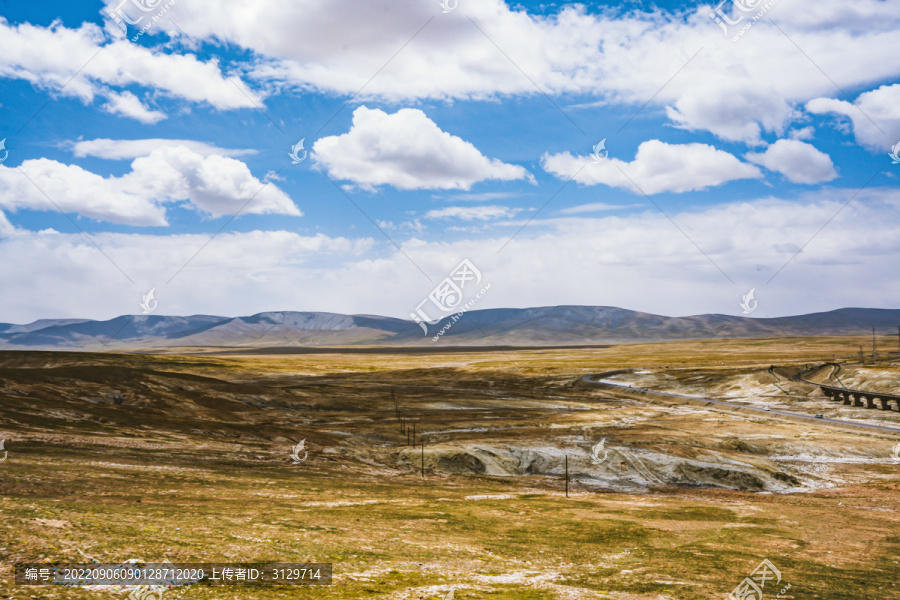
{"type": "Point", "coordinates": [473, 213]}
{"type": "Point", "coordinates": [48, 57]}
{"type": "Point", "coordinates": [657, 167]}
{"type": "Point", "coordinates": [47, 185]}
{"type": "Point", "coordinates": [798, 161]}
{"type": "Point", "coordinates": [751, 108]}
{"type": "Point", "coordinates": [408, 151]}
{"type": "Point", "coordinates": [736, 90]}
{"type": "Point", "coordinates": [129, 149]}
{"type": "Point", "coordinates": [875, 115]}
{"type": "Point", "coordinates": [215, 185]}
{"type": "Point", "coordinates": [6, 228]}
{"type": "Point", "coordinates": [128, 105]}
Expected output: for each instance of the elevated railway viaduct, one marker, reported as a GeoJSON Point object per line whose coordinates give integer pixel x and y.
{"type": "Point", "coordinates": [852, 397]}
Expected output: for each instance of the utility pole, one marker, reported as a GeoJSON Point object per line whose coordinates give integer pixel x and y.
{"type": "Point", "coordinates": [873, 343]}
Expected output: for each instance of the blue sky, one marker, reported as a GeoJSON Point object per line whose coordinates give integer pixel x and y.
{"type": "Point", "coordinates": [736, 161]}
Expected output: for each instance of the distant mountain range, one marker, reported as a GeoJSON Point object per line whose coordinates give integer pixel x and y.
{"type": "Point", "coordinates": [542, 326]}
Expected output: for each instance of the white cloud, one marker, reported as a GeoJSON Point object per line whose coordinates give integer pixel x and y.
{"type": "Point", "coordinates": [594, 207]}
{"type": "Point", "coordinates": [478, 197]}
{"type": "Point", "coordinates": [47, 185]}
{"type": "Point", "coordinates": [6, 228]}
{"type": "Point", "coordinates": [875, 115]}
{"type": "Point", "coordinates": [798, 161]}
{"type": "Point", "coordinates": [578, 260]}
{"type": "Point", "coordinates": [408, 151]}
{"type": "Point", "coordinates": [128, 149]}
{"type": "Point", "coordinates": [414, 226]}
{"type": "Point", "coordinates": [128, 105]}
{"type": "Point", "coordinates": [84, 63]}
{"type": "Point", "coordinates": [804, 133]}
{"type": "Point", "coordinates": [473, 213]}
{"type": "Point", "coordinates": [735, 90]}
{"type": "Point", "coordinates": [236, 271]}
{"type": "Point", "coordinates": [216, 185]}
{"type": "Point", "coordinates": [751, 108]}
{"type": "Point", "coordinates": [657, 167]}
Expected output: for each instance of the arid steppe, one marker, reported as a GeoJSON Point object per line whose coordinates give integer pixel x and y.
{"type": "Point", "coordinates": [185, 457]}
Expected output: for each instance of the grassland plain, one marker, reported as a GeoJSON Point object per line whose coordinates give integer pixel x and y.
{"type": "Point", "coordinates": [184, 457]}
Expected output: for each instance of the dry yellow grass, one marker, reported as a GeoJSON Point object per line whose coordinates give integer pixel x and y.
{"type": "Point", "coordinates": [185, 458]}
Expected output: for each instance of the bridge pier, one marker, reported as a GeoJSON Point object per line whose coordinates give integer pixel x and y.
{"type": "Point", "coordinates": [867, 398]}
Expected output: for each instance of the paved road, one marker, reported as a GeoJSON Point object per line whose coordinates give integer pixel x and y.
{"type": "Point", "coordinates": [592, 380]}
